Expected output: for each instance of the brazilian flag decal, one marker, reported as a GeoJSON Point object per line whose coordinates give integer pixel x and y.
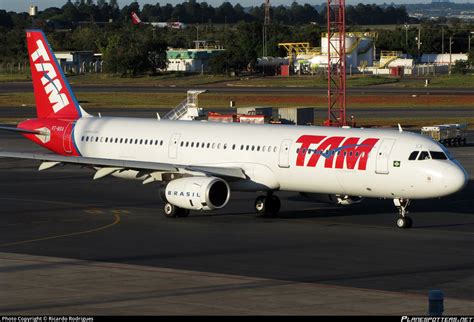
{"type": "Point", "coordinates": [396, 164]}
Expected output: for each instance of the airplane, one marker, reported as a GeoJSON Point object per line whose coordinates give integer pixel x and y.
{"type": "Point", "coordinates": [173, 25]}
{"type": "Point", "coordinates": [198, 164]}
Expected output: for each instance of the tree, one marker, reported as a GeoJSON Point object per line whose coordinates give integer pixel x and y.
{"type": "Point", "coordinates": [134, 51]}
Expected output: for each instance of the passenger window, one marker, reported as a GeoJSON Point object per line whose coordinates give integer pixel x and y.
{"type": "Point", "coordinates": [275, 149]}
{"type": "Point", "coordinates": [424, 155]}
{"type": "Point", "coordinates": [263, 149]}
{"type": "Point", "coordinates": [82, 139]}
{"type": "Point", "coordinates": [136, 141]}
{"type": "Point", "coordinates": [208, 145]}
{"type": "Point", "coordinates": [297, 150]}
{"type": "Point", "coordinates": [413, 155]}
{"type": "Point", "coordinates": [97, 139]}
{"type": "Point", "coordinates": [248, 147]}
{"type": "Point", "coordinates": [242, 147]}
{"type": "Point", "coordinates": [187, 144]}
{"type": "Point", "coordinates": [233, 146]}
{"type": "Point", "coordinates": [146, 142]}
{"type": "Point", "coordinates": [182, 143]}
{"type": "Point", "coordinates": [213, 145]}
{"type": "Point", "coordinates": [161, 142]}
{"type": "Point", "coordinates": [126, 141]}
{"type": "Point", "coordinates": [437, 155]}
{"type": "Point", "coordinates": [219, 146]}
{"type": "Point", "coordinates": [141, 141]}
{"type": "Point", "coordinates": [258, 148]}
{"type": "Point", "coordinates": [121, 141]}
{"type": "Point", "coordinates": [225, 146]}
{"type": "Point", "coordinates": [156, 142]}
{"type": "Point", "coordinates": [253, 147]}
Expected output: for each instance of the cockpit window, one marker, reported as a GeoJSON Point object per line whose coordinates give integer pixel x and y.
{"type": "Point", "coordinates": [437, 155]}
{"type": "Point", "coordinates": [413, 155]}
{"type": "Point", "coordinates": [424, 155]}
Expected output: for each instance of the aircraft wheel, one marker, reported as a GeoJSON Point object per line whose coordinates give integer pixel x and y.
{"type": "Point", "coordinates": [170, 210]}
{"type": "Point", "coordinates": [183, 213]}
{"type": "Point", "coordinates": [267, 206]}
{"type": "Point", "coordinates": [404, 222]}
{"type": "Point", "coordinates": [260, 205]}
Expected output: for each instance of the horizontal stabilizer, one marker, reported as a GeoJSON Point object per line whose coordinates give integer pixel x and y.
{"type": "Point", "coordinates": [19, 130]}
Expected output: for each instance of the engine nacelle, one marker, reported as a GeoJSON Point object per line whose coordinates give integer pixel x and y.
{"type": "Point", "coordinates": [332, 199]}
{"type": "Point", "coordinates": [197, 193]}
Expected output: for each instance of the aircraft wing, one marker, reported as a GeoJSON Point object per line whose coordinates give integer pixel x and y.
{"type": "Point", "coordinates": [109, 166]}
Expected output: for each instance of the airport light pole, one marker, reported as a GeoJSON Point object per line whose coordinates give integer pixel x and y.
{"type": "Point", "coordinates": [469, 41]}
{"type": "Point", "coordinates": [407, 26]}
{"type": "Point", "coordinates": [450, 53]}
{"type": "Point", "coordinates": [442, 40]}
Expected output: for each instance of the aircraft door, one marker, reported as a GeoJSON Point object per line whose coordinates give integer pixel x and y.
{"type": "Point", "coordinates": [284, 158]}
{"type": "Point", "coordinates": [383, 154]}
{"type": "Point", "coordinates": [67, 138]}
{"type": "Point", "coordinates": [173, 146]}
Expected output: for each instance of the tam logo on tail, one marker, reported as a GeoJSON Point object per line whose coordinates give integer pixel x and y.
{"type": "Point", "coordinates": [52, 85]}
{"type": "Point", "coordinates": [54, 99]}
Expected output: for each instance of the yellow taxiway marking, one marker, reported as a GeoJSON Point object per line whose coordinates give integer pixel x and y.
{"type": "Point", "coordinates": [116, 221]}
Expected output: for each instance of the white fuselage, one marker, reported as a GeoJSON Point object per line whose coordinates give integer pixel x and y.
{"type": "Point", "coordinates": [273, 157]}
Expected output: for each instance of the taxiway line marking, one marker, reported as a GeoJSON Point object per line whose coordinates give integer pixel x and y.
{"type": "Point", "coordinates": [116, 221]}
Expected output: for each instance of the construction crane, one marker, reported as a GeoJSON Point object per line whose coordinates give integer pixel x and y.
{"type": "Point", "coordinates": [336, 63]}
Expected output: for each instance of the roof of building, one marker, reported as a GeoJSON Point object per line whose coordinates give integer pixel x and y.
{"type": "Point", "coordinates": [192, 53]}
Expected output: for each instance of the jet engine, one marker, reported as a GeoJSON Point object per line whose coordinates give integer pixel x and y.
{"type": "Point", "coordinates": [197, 193]}
{"type": "Point", "coordinates": [343, 200]}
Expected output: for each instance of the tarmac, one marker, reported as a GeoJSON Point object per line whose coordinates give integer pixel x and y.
{"type": "Point", "coordinates": [70, 245]}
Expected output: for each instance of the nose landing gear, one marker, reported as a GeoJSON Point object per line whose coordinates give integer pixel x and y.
{"type": "Point", "coordinates": [404, 221]}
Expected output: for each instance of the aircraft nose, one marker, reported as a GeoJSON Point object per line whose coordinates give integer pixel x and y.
{"type": "Point", "coordinates": [455, 178]}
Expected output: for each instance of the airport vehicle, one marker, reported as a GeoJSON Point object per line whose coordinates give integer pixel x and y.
{"type": "Point", "coordinates": [447, 134]}
{"type": "Point", "coordinates": [199, 163]}
{"type": "Point", "coordinates": [173, 25]}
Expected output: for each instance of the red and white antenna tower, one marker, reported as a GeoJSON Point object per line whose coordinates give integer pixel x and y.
{"type": "Point", "coordinates": [336, 63]}
{"type": "Point", "coordinates": [266, 23]}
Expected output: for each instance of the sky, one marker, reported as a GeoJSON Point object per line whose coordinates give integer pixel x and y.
{"type": "Point", "coordinates": [23, 5]}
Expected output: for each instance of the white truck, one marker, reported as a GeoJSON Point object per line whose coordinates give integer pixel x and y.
{"type": "Point", "coordinates": [447, 134]}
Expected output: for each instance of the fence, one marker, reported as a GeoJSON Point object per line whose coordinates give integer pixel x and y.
{"type": "Point", "coordinates": [24, 67]}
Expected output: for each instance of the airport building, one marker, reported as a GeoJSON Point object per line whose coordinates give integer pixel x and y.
{"type": "Point", "coordinates": [79, 61]}
{"type": "Point", "coordinates": [190, 60]}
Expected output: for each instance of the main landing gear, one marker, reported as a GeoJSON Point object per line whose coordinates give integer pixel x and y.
{"type": "Point", "coordinates": [171, 211]}
{"type": "Point", "coordinates": [267, 206]}
{"type": "Point", "coordinates": [404, 221]}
